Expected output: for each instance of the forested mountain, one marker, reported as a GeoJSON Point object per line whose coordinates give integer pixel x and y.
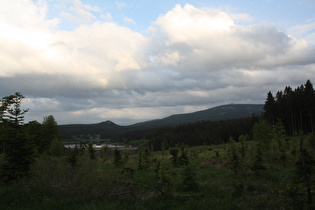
{"type": "Point", "coordinates": [109, 129]}
{"type": "Point", "coordinates": [224, 112]}
{"type": "Point", "coordinates": [198, 133]}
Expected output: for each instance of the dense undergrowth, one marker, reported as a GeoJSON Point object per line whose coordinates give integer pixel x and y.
{"type": "Point", "coordinates": [228, 176]}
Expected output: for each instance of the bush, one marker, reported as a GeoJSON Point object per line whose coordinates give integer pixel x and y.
{"type": "Point", "coordinates": [262, 133]}
{"type": "Point", "coordinates": [189, 182]}
{"type": "Point", "coordinates": [258, 166]}
{"type": "Point", "coordinates": [117, 158]}
{"type": "Point", "coordinates": [91, 150]}
{"type": "Point", "coordinates": [183, 158]}
{"type": "Point", "coordinates": [174, 153]}
{"type": "Point", "coordinates": [56, 148]}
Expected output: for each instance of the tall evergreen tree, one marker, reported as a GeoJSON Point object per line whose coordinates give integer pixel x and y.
{"type": "Point", "coordinates": [50, 131]}
{"type": "Point", "coordinates": [296, 109]}
{"type": "Point", "coordinates": [310, 103]}
{"type": "Point", "coordinates": [17, 148]}
{"type": "Point", "coordinates": [270, 108]}
{"type": "Point", "coordinates": [33, 132]}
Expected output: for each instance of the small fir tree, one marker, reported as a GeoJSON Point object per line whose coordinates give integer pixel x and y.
{"type": "Point", "coordinates": [143, 157]}
{"type": "Point", "coordinates": [243, 150]}
{"type": "Point", "coordinates": [126, 157]}
{"type": "Point", "coordinates": [189, 182]}
{"type": "Point", "coordinates": [183, 158]}
{"type": "Point", "coordinates": [234, 157]}
{"type": "Point", "coordinates": [104, 152]}
{"type": "Point", "coordinates": [258, 166]}
{"type": "Point", "coordinates": [117, 158]}
{"type": "Point", "coordinates": [262, 133]}
{"type": "Point", "coordinates": [174, 153]}
{"type": "Point", "coordinates": [56, 148]}
{"type": "Point", "coordinates": [72, 156]}
{"type": "Point", "coordinates": [91, 150]}
{"type": "Point", "coordinates": [162, 173]}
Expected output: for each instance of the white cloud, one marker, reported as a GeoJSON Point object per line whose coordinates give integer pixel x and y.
{"type": "Point", "coordinates": [218, 43]}
{"type": "Point", "coordinates": [79, 12]}
{"type": "Point", "coordinates": [129, 21]}
{"type": "Point", "coordinates": [192, 59]}
{"type": "Point", "coordinates": [306, 31]}
{"type": "Point", "coordinates": [107, 17]}
{"type": "Point", "coordinates": [120, 5]}
{"type": "Point", "coordinates": [26, 15]}
{"type": "Point", "coordinates": [241, 17]}
{"type": "Point", "coordinates": [189, 24]}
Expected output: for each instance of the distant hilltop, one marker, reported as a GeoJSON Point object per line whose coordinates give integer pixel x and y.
{"type": "Point", "coordinates": [109, 129]}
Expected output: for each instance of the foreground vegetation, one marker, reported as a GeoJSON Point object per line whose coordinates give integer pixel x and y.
{"type": "Point", "coordinates": [269, 167]}
{"type": "Point", "coordinates": [228, 176]}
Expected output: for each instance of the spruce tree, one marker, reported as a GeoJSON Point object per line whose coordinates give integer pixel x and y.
{"type": "Point", "coordinates": [183, 158]}
{"type": "Point", "coordinates": [270, 108]}
{"type": "Point", "coordinates": [262, 134]}
{"type": "Point", "coordinates": [117, 158]}
{"type": "Point", "coordinates": [56, 148]}
{"type": "Point", "coordinates": [17, 146]}
{"type": "Point", "coordinates": [174, 153]}
{"type": "Point", "coordinates": [257, 166]}
{"type": "Point", "coordinates": [91, 150]}
{"type": "Point", "coordinates": [50, 131]}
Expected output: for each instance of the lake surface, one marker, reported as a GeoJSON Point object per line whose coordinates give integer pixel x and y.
{"type": "Point", "coordinates": [96, 146]}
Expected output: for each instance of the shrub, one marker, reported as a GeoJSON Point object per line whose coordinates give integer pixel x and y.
{"type": "Point", "coordinates": [117, 158]}
{"type": "Point", "coordinates": [183, 158]}
{"type": "Point", "coordinates": [144, 157]}
{"type": "Point", "coordinates": [258, 166]}
{"type": "Point", "coordinates": [56, 148]}
{"type": "Point", "coordinates": [189, 182]}
{"type": "Point", "coordinates": [91, 150]}
{"type": "Point", "coordinates": [174, 153]}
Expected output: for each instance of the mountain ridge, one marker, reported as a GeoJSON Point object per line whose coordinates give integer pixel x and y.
{"type": "Point", "coordinates": [211, 114]}
{"type": "Point", "coordinates": [109, 129]}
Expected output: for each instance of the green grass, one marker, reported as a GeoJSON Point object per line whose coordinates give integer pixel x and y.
{"type": "Point", "coordinates": [98, 184]}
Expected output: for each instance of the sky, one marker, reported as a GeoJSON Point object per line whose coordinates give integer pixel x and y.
{"type": "Point", "coordinates": [86, 61]}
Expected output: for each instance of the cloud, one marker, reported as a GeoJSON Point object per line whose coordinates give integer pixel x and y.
{"type": "Point", "coordinates": [217, 42]}
{"type": "Point", "coordinates": [79, 12]}
{"type": "Point", "coordinates": [107, 17]}
{"type": "Point", "coordinates": [120, 5]}
{"type": "Point", "coordinates": [191, 59]}
{"type": "Point", "coordinates": [179, 23]}
{"type": "Point", "coordinates": [307, 31]}
{"type": "Point", "coordinates": [129, 21]}
{"type": "Point", "coordinates": [25, 15]}
{"type": "Point", "coordinates": [241, 17]}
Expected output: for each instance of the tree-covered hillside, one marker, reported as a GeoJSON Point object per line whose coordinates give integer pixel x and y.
{"type": "Point", "coordinates": [109, 130]}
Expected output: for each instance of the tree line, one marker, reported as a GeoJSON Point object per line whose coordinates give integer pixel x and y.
{"type": "Point", "coordinates": [193, 134]}
{"type": "Point", "coordinates": [294, 108]}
